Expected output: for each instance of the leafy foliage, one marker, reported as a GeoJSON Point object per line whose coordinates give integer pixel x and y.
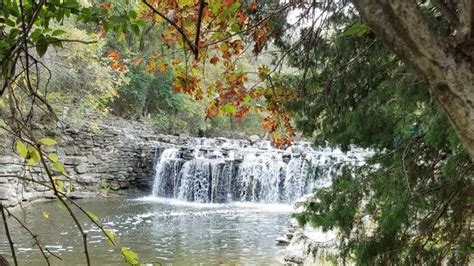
{"type": "Point", "coordinates": [213, 36]}
{"type": "Point", "coordinates": [410, 203]}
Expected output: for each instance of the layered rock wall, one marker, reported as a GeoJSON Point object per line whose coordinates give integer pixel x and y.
{"type": "Point", "coordinates": [100, 158]}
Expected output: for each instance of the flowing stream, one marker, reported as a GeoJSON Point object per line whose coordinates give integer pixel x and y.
{"type": "Point", "coordinates": [159, 230]}
{"type": "Point", "coordinates": [214, 202]}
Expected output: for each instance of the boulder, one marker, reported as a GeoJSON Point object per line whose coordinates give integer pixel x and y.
{"type": "Point", "coordinates": [114, 185]}
{"type": "Point", "coordinates": [254, 138]}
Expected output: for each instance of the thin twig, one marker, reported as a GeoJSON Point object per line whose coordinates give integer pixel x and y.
{"type": "Point", "coordinates": [7, 232]}
{"type": "Point", "coordinates": [35, 237]}
{"type": "Point", "coordinates": [68, 208]}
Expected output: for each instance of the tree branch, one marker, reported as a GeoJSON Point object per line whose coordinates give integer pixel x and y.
{"type": "Point", "coordinates": [7, 232]}
{"type": "Point", "coordinates": [198, 30]}
{"type": "Point", "coordinates": [178, 28]}
{"type": "Point", "coordinates": [35, 237]}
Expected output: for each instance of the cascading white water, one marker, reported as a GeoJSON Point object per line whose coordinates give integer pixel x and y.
{"type": "Point", "coordinates": [222, 170]}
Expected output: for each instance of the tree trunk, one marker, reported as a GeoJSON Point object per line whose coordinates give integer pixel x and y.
{"type": "Point", "coordinates": [445, 62]}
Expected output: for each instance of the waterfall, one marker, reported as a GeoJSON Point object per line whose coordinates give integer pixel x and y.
{"type": "Point", "coordinates": [221, 170]}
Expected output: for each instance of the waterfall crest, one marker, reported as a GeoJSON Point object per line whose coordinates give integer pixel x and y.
{"type": "Point", "coordinates": [222, 170]}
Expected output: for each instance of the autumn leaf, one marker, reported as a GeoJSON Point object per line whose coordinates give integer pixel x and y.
{"type": "Point", "coordinates": [167, 39]}
{"type": "Point", "coordinates": [150, 66]}
{"type": "Point", "coordinates": [175, 62]}
{"type": "Point", "coordinates": [106, 5]}
{"type": "Point", "coordinates": [214, 60]}
{"type": "Point", "coordinates": [252, 6]}
{"type": "Point", "coordinates": [163, 66]}
{"type": "Point", "coordinates": [241, 17]}
{"type": "Point", "coordinates": [114, 55]}
{"type": "Point", "coordinates": [138, 60]}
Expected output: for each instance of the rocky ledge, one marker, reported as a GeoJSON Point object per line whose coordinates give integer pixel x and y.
{"type": "Point", "coordinates": [98, 159]}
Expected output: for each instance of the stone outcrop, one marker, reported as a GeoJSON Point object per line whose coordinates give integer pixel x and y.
{"type": "Point", "coordinates": [100, 158]}
{"type": "Point", "coordinates": [307, 245]}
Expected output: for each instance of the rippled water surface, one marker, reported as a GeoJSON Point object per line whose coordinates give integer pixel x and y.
{"type": "Point", "coordinates": [159, 230]}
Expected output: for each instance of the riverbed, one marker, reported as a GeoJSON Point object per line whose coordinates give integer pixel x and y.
{"type": "Point", "coordinates": [165, 231]}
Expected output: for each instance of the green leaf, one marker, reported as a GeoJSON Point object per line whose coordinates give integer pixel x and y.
{"type": "Point", "coordinates": [48, 141]}
{"type": "Point", "coordinates": [53, 157]}
{"type": "Point", "coordinates": [69, 188]}
{"type": "Point", "coordinates": [141, 23]}
{"type": "Point", "coordinates": [215, 6]}
{"type": "Point", "coordinates": [247, 99]}
{"type": "Point", "coordinates": [34, 154]}
{"type": "Point", "coordinates": [358, 29]}
{"type": "Point", "coordinates": [185, 2]}
{"type": "Point", "coordinates": [130, 256]}
{"type": "Point", "coordinates": [135, 29]}
{"type": "Point", "coordinates": [132, 14]}
{"type": "Point", "coordinates": [59, 167]}
{"type": "Point", "coordinates": [42, 46]}
{"type": "Point", "coordinates": [92, 216]}
{"type": "Point", "coordinates": [21, 148]}
{"type": "Point", "coordinates": [35, 35]}
{"type": "Point", "coordinates": [31, 162]}
{"type": "Point", "coordinates": [111, 237]}
{"type": "Point", "coordinates": [58, 32]}
{"type": "Point", "coordinates": [231, 9]}
{"type": "Point", "coordinates": [59, 185]}
{"type": "Point", "coordinates": [60, 204]}
{"type": "Point", "coordinates": [229, 109]}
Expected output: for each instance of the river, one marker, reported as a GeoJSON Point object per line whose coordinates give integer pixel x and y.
{"type": "Point", "coordinates": [215, 201]}
{"type": "Point", "coordinates": [159, 230]}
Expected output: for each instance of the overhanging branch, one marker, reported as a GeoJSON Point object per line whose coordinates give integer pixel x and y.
{"type": "Point", "coordinates": [176, 26]}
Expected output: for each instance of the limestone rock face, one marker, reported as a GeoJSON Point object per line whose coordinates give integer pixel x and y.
{"type": "Point", "coordinates": [97, 159]}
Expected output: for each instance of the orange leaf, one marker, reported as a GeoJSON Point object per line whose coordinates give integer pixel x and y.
{"type": "Point", "coordinates": [150, 65]}
{"type": "Point", "coordinates": [163, 67]}
{"type": "Point", "coordinates": [138, 60]}
{"type": "Point", "coordinates": [241, 17]}
{"type": "Point", "coordinates": [114, 54]}
{"type": "Point", "coordinates": [106, 5]}
{"type": "Point", "coordinates": [214, 60]}
{"type": "Point", "coordinates": [175, 62]}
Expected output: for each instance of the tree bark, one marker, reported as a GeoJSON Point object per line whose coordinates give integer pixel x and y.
{"type": "Point", "coordinates": [445, 62]}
